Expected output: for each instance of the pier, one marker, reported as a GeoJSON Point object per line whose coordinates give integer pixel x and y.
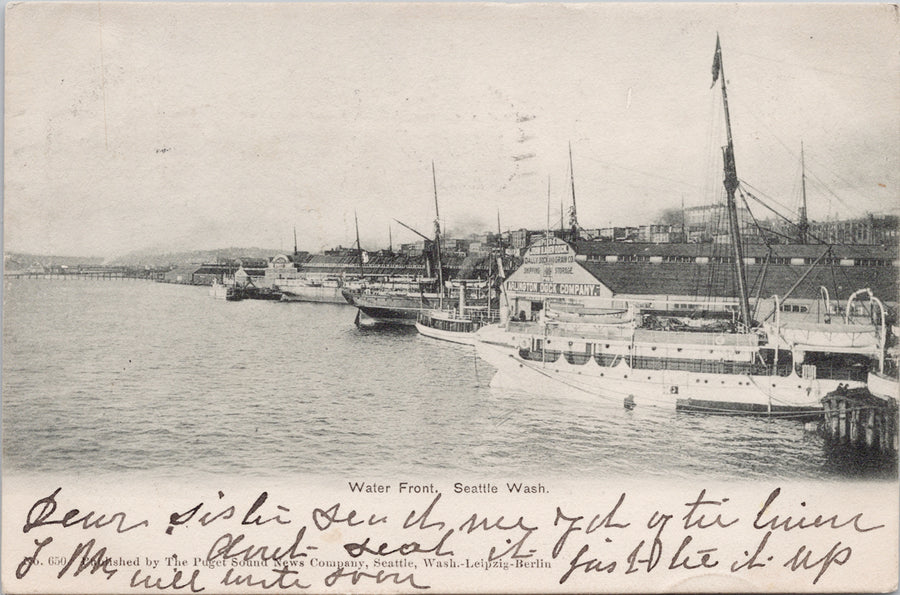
{"type": "Point", "coordinates": [91, 272]}
{"type": "Point", "coordinates": [860, 428]}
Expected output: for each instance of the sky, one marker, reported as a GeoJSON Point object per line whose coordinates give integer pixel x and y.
{"type": "Point", "coordinates": [168, 126]}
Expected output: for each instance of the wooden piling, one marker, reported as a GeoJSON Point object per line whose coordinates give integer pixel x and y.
{"type": "Point", "coordinates": [861, 426]}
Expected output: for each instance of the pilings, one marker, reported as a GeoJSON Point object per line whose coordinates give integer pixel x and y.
{"type": "Point", "coordinates": [136, 274]}
{"type": "Point", "coordinates": [860, 427]}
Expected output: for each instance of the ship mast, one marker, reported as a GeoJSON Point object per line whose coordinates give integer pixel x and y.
{"type": "Point", "coordinates": [573, 220]}
{"type": "Point", "coordinates": [359, 251]}
{"type": "Point", "coordinates": [437, 237]}
{"type": "Point", "coordinates": [731, 184]}
{"type": "Point", "coordinates": [803, 226]}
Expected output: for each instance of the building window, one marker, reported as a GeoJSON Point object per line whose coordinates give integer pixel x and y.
{"type": "Point", "coordinates": [800, 308]}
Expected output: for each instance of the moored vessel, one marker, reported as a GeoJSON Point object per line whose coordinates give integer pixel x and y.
{"type": "Point", "coordinates": [702, 371]}
{"type": "Point", "coordinates": [308, 290]}
{"type": "Point", "coordinates": [475, 309]}
{"type": "Point", "coordinates": [225, 291]}
{"type": "Point", "coordinates": [702, 358]}
{"type": "Point", "coordinates": [400, 306]}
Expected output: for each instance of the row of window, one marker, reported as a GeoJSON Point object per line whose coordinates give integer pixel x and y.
{"type": "Point", "coordinates": [784, 260]}
{"type": "Point", "coordinates": [794, 308]}
{"type": "Point", "coordinates": [759, 368]}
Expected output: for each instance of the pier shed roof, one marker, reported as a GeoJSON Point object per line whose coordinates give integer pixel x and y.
{"type": "Point", "coordinates": [716, 280]}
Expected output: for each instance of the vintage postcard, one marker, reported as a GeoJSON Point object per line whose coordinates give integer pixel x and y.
{"type": "Point", "coordinates": [450, 297]}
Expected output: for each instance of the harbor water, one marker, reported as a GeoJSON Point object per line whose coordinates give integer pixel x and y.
{"type": "Point", "coordinates": [118, 376]}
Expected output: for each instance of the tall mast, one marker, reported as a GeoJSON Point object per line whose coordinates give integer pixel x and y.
{"type": "Point", "coordinates": [803, 227]}
{"type": "Point", "coordinates": [437, 237]}
{"type": "Point", "coordinates": [574, 218]}
{"type": "Point", "coordinates": [390, 241]}
{"type": "Point", "coordinates": [358, 247]}
{"type": "Point", "coordinates": [731, 184]}
{"type": "Point", "coordinates": [295, 240]}
{"type": "Point", "coordinates": [548, 206]}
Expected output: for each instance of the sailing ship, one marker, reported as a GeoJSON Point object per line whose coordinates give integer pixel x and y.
{"type": "Point", "coordinates": [725, 364]}
{"type": "Point", "coordinates": [401, 301]}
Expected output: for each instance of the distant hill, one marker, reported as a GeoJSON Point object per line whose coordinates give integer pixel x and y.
{"type": "Point", "coordinates": [20, 261]}
{"type": "Point", "coordinates": [155, 258]}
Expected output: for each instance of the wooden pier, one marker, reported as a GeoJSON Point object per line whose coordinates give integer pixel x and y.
{"type": "Point", "coordinates": [92, 272]}
{"type": "Point", "coordinates": [861, 428]}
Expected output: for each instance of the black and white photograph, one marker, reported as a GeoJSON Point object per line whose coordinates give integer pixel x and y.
{"type": "Point", "coordinates": [450, 297]}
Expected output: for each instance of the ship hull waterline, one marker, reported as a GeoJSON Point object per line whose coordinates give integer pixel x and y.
{"type": "Point", "coordinates": [391, 309]}
{"type": "Point", "coordinates": [620, 385]}
{"type": "Point", "coordinates": [461, 338]}
{"type": "Point", "coordinates": [318, 295]}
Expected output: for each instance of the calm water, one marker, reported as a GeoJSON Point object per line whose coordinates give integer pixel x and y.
{"type": "Point", "coordinates": [110, 376]}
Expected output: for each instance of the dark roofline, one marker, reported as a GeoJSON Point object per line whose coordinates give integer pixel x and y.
{"type": "Point", "coordinates": [586, 247]}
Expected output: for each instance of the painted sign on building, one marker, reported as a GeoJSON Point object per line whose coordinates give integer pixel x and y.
{"type": "Point", "coordinates": [550, 272]}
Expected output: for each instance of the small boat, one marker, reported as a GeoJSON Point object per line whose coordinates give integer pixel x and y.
{"type": "Point", "coordinates": [252, 292]}
{"type": "Point", "coordinates": [449, 325]}
{"type": "Point", "coordinates": [224, 291]}
{"type": "Point", "coordinates": [459, 324]}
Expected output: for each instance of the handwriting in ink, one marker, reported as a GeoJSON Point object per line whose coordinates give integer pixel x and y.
{"type": "Point", "coordinates": [421, 521]}
{"type": "Point", "coordinates": [324, 518]}
{"type": "Point", "coordinates": [680, 560]}
{"type": "Point", "coordinates": [657, 521]}
{"type": "Point", "coordinates": [355, 550]}
{"type": "Point", "coordinates": [28, 561]}
{"type": "Point", "coordinates": [181, 518]}
{"type": "Point", "coordinates": [698, 522]}
{"type": "Point", "coordinates": [258, 520]}
{"type": "Point", "coordinates": [283, 580]}
{"type": "Point", "coordinates": [44, 508]}
{"type": "Point", "coordinates": [789, 524]}
{"type": "Point", "coordinates": [175, 583]}
{"type": "Point", "coordinates": [752, 561]}
{"type": "Point", "coordinates": [98, 561]}
{"type": "Point", "coordinates": [206, 518]}
{"type": "Point", "coordinates": [606, 522]}
{"type": "Point", "coordinates": [650, 561]}
{"type": "Point", "coordinates": [589, 565]}
{"type": "Point", "coordinates": [381, 577]}
{"type": "Point", "coordinates": [801, 560]}
{"type": "Point", "coordinates": [473, 523]}
{"type": "Point", "coordinates": [232, 546]}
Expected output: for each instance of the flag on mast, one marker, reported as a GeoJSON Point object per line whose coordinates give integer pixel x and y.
{"type": "Point", "coordinates": [717, 63]}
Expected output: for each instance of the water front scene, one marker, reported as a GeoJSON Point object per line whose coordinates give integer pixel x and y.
{"type": "Point", "coordinates": [469, 297]}
{"type": "Point", "coordinates": [131, 375]}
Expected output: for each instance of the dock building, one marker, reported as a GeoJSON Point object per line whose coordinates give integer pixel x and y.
{"type": "Point", "coordinates": [809, 279]}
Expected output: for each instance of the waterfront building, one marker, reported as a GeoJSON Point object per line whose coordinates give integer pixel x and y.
{"type": "Point", "coordinates": [694, 277]}
{"type": "Point", "coordinates": [180, 274]}
{"type": "Point", "coordinates": [863, 230]}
